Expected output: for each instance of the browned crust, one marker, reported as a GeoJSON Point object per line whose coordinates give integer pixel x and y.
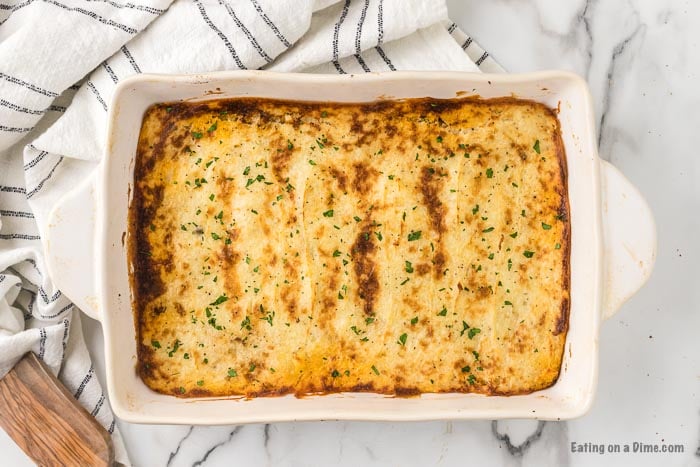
{"type": "Point", "coordinates": [146, 201]}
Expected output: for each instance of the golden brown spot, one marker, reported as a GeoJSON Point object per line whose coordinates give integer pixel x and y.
{"type": "Point", "coordinates": [364, 177]}
{"type": "Point", "coordinates": [431, 184]}
{"type": "Point", "coordinates": [363, 251]}
{"type": "Point", "coordinates": [340, 177]}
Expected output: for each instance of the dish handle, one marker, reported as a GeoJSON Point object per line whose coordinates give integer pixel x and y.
{"type": "Point", "coordinates": [629, 239]}
{"type": "Point", "coordinates": [70, 246]}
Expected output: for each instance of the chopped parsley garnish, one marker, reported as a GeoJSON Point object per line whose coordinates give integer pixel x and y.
{"type": "Point", "coordinates": [211, 197]}
{"type": "Point", "coordinates": [413, 236]}
{"type": "Point", "coordinates": [465, 326]}
{"type": "Point", "coordinates": [357, 219]}
{"type": "Point", "coordinates": [466, 369]}
{"type": "Point", "coordinates": [336, 253]}
{"type": "Point", "coordinates": [476, 354]}
{"type": "Point", "coordinates": [507, 303]}
{"type": "Point", "coordinates": [528, 254]}
{"type": "Point", "coordinates": [328, 213]}
{"type": "Point", "coordinates": [269, 317]}
{"type": "Point", "coordinates": [491, 255]}
{"type": "Point", "coordinates": [510, 264]}
{"type": "Point", "coordinates": [213, 127]}
{"type": "Point", "coordinates": [409, 267]}
{"type": "Point", "coordinates": [402, 339]}
{"type": "Point", "coordinates": [439, 139]}
{"type": "Point", "coordinates": [221, 299]}
{"type": "Point", "coordinates": [290, 146]}
{"type": "Point", "coordinates": [245, 324]}
{"type": "Point", "coordinates": [473, 332]}
{"type": "Point", "coordinates": [252, 368]}
{"type": "Point", "coordinates": [355, 330]}
{"type": "Point", "coordinates": [414, 320]}
{"type": "Point", "coordinates": [391, 177]}
{"type": "Point", "coordinates": [369, 320]}
{"type": "Point", "coordinates": [546, 226]}
{"type": "Point", "coordinates": [472, 379]}
{"type": "Point", "coordinates": [312, 162]}
{"type": "Point", "coordinates": [374, 369]}
{"type": "Point", "coordinates": [536, 146]}
{"type": "Point", "coordinates": [442, 312]}
{"type": "Point", "coordinates": [246, 171]}
{"type": "Point", "coordinates": [489, 173]}
{"type": "Point", "coordinates": [404, 282]}
{"type": "Point", "coordinates": [176, 345]}
{"type": "Point", "coordinates": [379, 236]}
{"type": "Point", "coordinates": [215, 236]}
{"type": "Point", "coordinates": [490, 229]}
{"type": "Point", "coordinates": [557, 246]}
{"type": "Point", "coordinates": [186, 356]}
{"type": "Point", "coordinates": [475, 209]}
{"type": "Point", "coordinates": [182, 227]}
{"type": "Point", "coordinates": [197, 134]}
{"type": "Point", "coordinates": [514, 234]}
{"type": "Point", "coordinates": [200, 383]}
{"type": "Point", "coordinates": [155, 344]}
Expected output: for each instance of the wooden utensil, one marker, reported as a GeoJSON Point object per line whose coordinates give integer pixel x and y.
{"type": "Point", "coordinates": [46, 421]}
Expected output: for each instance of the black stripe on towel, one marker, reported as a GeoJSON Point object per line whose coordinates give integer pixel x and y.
{"type": "Point", "coordinates": [110, 72]}
{"type": "Point", "coordinates": [83, 383]}
{"type": "Point", "coordinates": [18, 236]}
{"type": "Point", "coordinates": [358, 37]}
{"type": "Point", "coordinates": [131, 6]}
{"type": "Point", "coordinates": [12, 129]}
{"type": "Point", "coordinates": [336, 34]}
{"type": "Point", "coordinates": [130, 57]}
{"type": "Point", "coordinates": [12, 189]}
{"type": "Point", "coordinates": [24, 214]}
{"type": "Point", "coordinates": [245, 30]}
{"type": "Point", "coordinates": [35, 161]}
{"type": "Point", "coordinates": [42, 343]}
{"type": "Point", "coordinates": [93, 89]}
{"type": "Point", "coordinates": [27, 85]}
{"type": "Point", "coordinates": [20, 109]}
{"type": "Point", "coordinates": [269, 22]}
{"type": "Point", "coordinates": [57, 314]}
{"type": "Point", "coordinates": [381, 53]}
{"type": "Point", "coordinates": [93, 15]}
{"type": "Point", "coordinates": [482, 58]}
{"type": "Point", "coordinates": [98, 406]}
{"type": "Point", "coordinates": [224, 39]}
{"type": "Point", "coordinates": [41, 184]}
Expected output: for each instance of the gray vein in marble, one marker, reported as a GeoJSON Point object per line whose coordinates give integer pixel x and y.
{"type": "Point", "coordinates": [233, 433]}
{"type": "Point", "coordinates": [571, 39]}
{"type": "Point", "coordinates": [174, 453]}
{"type": "Point", "coordinates": [517, 451]}
{"type": "Point", "coordinates": [618, 52]}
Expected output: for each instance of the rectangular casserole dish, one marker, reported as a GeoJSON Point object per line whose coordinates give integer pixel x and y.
{"type": "Point", "coordinates": [612, 246]}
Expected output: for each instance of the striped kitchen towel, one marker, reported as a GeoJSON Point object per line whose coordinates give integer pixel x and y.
{"type": "Point", "coordinates": [60, 61]}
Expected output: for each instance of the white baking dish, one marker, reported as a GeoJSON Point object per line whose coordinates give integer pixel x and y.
{"type": "Point", "coordinates": [612, 252]}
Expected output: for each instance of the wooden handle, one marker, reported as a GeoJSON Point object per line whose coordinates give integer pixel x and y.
{"type": "Point", "coordinates": [46, 421]}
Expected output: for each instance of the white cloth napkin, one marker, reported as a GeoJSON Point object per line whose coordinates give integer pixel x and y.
{"type": "Point", "coordinates": [59, 63]}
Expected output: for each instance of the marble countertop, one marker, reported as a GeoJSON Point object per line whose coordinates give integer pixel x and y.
{"type": "Point", "coordinates": [642, 61]}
